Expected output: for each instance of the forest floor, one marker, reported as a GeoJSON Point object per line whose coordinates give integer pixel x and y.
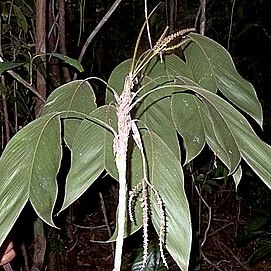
{"type": "Point", "coordinates": [239, 226]}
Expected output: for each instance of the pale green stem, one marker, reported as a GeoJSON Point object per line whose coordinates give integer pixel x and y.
{"type": "Point", "coordinates": [120, 150]}
{"type": "Point", "coordinates": [121, 166]}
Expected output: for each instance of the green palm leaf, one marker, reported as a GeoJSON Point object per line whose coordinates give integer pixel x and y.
{"type": "Point", "coordinates": [28, 172]}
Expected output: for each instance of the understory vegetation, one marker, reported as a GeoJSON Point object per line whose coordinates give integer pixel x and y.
{"type": "Point", "coordinates": [135, 135]}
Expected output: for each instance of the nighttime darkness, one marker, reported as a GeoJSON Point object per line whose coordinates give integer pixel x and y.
{"type": "Point", "coordinates": [135, 135]}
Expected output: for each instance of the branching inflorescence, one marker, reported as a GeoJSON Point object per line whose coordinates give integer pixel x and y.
{"type": "Point", "coordinates": [126, 126]}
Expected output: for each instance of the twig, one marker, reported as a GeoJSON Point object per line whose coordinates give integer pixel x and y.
{"type": "Point", "coordinates": [209, 262]}
{"type": "Point", "coordinates": [98, 242]}
{"type": "Point", "coordinates": [82, 6]}
{"type": "Point", "coordinates": [26, 84]}
{"type": "Point", "coordinates": [106, 221]}
{"type": "Point", "coordinates": [209, 216]}
{"type": "Point", "coordinates": [89, 227]}
{"type": "Point", "coordinates": [232, 254]}
{"type": "Point", "coordinates": [238, 218]}
{"type": "Point", "coordinates": [201, 17]}
{"type": "Point", "coordinates": [230, 29]}
{"type": "Point", "coordinates": [73, 246]}
{"type": "Point", "coordinates": [147, 21]}
{"type": "Point", "coordinates": [23, 82]}
{"type": "Point", "coordinates": [6, 118]}
{"type": "Point", "coordinates": [206, 204]}
{"type": "Point", "coordinates": [220, 229]}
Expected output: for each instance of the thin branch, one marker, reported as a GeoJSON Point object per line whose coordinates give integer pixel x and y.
{"type": "Point", "coordinates": [244, 267]}
{"type": "Point", "coordinates": [209, 216]}
{"type": "Point", "coordinates": [209, 262]}
{"type": "Point", "coordinates": [25, 257]}
{"type": "Point", "coordinates": [23, 82]}
{"type": "Point", "coordinates": [62, 37]}
{"type": "Point", "coordinates": [220, 229]}
{"type": "Point", "coordinates": [203, 17]}
{"type": "Point", "coordinates": [106, 221]}
{"type": "Point", "coordinates": [6, 118]}
{"type": "Point", "coordinates": [26, 84]}
{"type": "Point", "coordinates": [230, 29]}
{"type": "Point", "coordinates": [82, 20]}
{"type": "Point", "coordinates": [147, 20]}
{"type": "Point", "coordinates": [97, 28]}
{"type": "Point", "coordinates": [90, 227]}
{"type": "Point", "coordinates": [41, 34]}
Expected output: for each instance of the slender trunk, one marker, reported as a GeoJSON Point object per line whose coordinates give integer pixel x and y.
{"type": "Point", "coordinates": [39, 241]}
{"type": "Point", "coordinates": [53, 67]}
{"type": "Point", "coordinates": [62, 37]}
{"type": "Point", "coordinates": [171, 15]}
{"type": "Point", "coordinates": [6, 119]}
{"type": "Point", "coordinates": [40, 50]}
{"type": "Point", "coordinates": [4, 101]}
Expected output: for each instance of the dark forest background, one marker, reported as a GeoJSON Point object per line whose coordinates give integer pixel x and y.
{"type": "Point", "coordinates": [239, 233]}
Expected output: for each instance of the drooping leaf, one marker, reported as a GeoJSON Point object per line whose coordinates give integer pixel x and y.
{"type": "Point", "coordinates": [213, 68]}
{"type": "Point", "coordinates": [260, 254]}
{"type": "Point", "coordinates": [253, 150]}
{"type": "Point", "coordinates": [5, 66]}
{"type": "Point", "coordinates": [21, 20]}
{"type": "Point", "coordinates": [170, 66]}
{"type": "Point", "coordinates": [92, 153]}
{"type": "Point", "coordinates": [73, 62]}
{"type": "Point", "coordinates": [28, 172]}
{"type": "Point", "coordinates": [76, 99]}
{"type": "Point", "coordinates": [154, 109]}
{"type": "Point", "coordinates": [165, 174]}
{"type": "Point", "coordinates": [187, 117]}
{"type": "Point", "coordinates": [237, 176]}
{"type": "Point", "coordinates": [222, 132]}
{"type": "Point", "coordinates": [75, 96]}
{"type": "Point", "coordinates": [208, 124]}
{"type": "Point", "coordinates": [212, 140]}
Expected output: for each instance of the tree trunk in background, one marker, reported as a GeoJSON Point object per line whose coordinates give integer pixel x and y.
{"type": "Point", "coordinates": [40, 49]}
{"type": "Point", "coordinates": [53, 64]}
{"type": "Point", "coordinates": [4, 116]}
{"type": "Point", "coordinates": [39, 242]}
{"type": "Point", "coordinates": [62, 37]}
{"type": "Point", "coordinates": [177, 15]}
{"type": "Point", "coordinates": [171, 14]}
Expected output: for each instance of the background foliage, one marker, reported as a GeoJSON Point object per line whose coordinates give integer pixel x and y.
{"type": "Point", "coordinates": [113, 44]}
